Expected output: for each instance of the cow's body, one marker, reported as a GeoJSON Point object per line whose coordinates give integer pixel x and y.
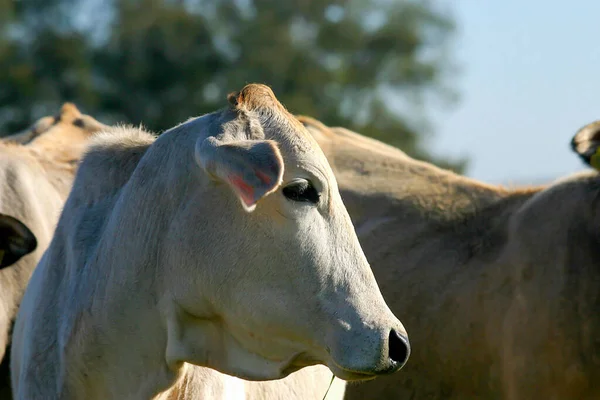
{"type": "Point", "coordinates": [507, 283]}
{"type": "Point", "coordinates": [156, 266]}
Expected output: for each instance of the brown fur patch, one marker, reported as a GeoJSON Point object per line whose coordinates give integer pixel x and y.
{"type": "Point", "coordinates": [255, 96]}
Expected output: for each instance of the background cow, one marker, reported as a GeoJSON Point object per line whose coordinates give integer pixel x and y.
{"type": "Point", "coordinates": [503, 285]}
{"type": "Point", "coordinates": [40, 126]}
{"type": "Point", "coordinates": [35, 180]}
{"type": "Point", "coordinates": [16, 241]}
{"type": "Point", "coordinates": [163, 258]}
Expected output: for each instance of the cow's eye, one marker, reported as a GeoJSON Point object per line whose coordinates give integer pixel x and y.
{"type": "Point", "coordinates": [301, 190]}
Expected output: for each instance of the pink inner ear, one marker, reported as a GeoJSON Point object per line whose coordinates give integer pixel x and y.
{"type": "Point", "coordinates": [264, 178]}
{"type": "Point", "coordinates": [245, 191]}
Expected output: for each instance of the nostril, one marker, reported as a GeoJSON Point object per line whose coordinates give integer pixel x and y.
{"type": "Point", "coordinates": [398, 347]}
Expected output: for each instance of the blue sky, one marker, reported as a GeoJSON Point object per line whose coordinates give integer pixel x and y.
{"type": "Point", "coordinates": [530, 78]}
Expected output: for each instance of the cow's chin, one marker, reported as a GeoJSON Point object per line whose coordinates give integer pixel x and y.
{"type": "Point", "coordinates": [246, 359]}
{"type": "Point", "coordinates": [252, 367]}
{"type": "Point", "coordinates": [303, 360]}
{"type": "Point", "coordinates": [347, 375]}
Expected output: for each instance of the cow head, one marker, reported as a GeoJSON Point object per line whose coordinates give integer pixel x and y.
{"type": "Point", "coordinates": [16, 240]}
{"type": "Point", "coordinates": [586, 143]}
{"type": "Point", "coordinates": [65, 133]}
{"type": "Point", "coordinates": [287, 284]}
{"type": "Point", "coordinates": [73, 126]}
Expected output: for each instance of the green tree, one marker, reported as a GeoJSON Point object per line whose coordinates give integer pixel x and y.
{"type": "Point", "coordinates": [43, 62]}
{"type": "Point", "coordinates": [348, 63]}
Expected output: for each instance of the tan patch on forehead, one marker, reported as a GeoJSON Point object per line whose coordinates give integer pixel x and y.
{"type": "Point", "coordinates": [261, 99]}
{"type": "Point", "coordinates": [292, 137]}
{"type": "Point", "coordinates": [255, 97]}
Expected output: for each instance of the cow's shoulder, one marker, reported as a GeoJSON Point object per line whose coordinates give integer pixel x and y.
{"type": "Point", "coordinates": [109, 162]}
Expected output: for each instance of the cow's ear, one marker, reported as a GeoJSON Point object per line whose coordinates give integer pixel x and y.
{"type": "Point", "coordinates": [252, 168]}
{"type": "Point", "coordinates": [16, 240]}
{"type": "Point", "coordinates": [586, 143]}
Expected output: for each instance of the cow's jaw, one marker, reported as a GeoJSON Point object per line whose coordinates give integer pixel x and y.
{"type": "Point", "coordinates": [206, 341]}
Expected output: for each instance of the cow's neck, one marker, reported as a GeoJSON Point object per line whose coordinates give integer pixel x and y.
{"type": "Point", "coordinates": [146, 315]}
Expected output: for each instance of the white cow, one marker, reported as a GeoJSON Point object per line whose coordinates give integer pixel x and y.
{"type": "Point", "coordinates": [156, 267]}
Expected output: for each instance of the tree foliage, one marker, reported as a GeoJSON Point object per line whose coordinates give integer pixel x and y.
{"type": "Point", "coordinates": [158, 62]}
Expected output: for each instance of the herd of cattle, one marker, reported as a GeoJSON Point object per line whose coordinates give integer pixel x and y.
{"type": "Point", "coordinates": [218, 261]}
